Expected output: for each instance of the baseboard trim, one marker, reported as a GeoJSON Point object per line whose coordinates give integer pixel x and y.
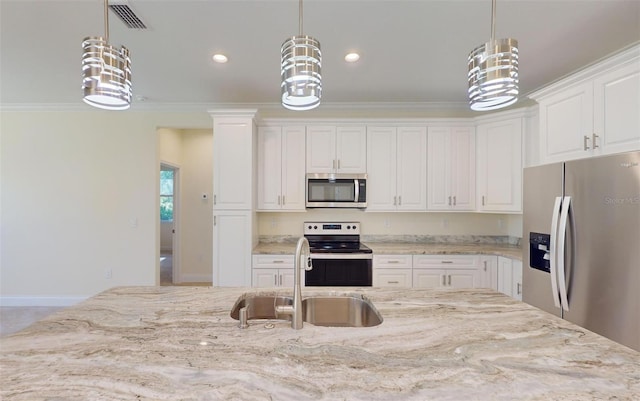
{"type": "Point", "coordinates": [40, 301]}
{"type": "Point", "coordinates": [195, 278]}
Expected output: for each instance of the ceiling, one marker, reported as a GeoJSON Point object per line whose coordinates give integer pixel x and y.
{"type": "Point", "coordinates": [412, 52]}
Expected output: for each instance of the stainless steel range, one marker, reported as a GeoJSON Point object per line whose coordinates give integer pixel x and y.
{"type": "Point", "coordinates": [338, 257]}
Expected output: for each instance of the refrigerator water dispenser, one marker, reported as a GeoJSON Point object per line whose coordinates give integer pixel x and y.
{"type": "Point", "coordinates": [539, 251]}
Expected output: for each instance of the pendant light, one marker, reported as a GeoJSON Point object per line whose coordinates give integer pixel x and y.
{"type": "Point", "coordinates": [300, 64]}
{"type": "Point", "coordinates": [493, 72]}
{"type": "Point", "coordinates": [106, 71]}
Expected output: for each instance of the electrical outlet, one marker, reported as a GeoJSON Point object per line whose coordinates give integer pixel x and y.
{"type": "Point", "coordinates": [445, 223]}
{"type": "Point", "coordinates": [108, 274]}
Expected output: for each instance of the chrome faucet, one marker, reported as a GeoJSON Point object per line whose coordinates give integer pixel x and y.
{"type": "Point", "coordinates": [301, 260]}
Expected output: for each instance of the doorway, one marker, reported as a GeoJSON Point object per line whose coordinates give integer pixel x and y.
{"type": "Point", "coordinates": [169, 269]}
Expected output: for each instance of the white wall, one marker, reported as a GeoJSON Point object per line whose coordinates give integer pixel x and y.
{"type": "Point", "coordinates": [79, 198]}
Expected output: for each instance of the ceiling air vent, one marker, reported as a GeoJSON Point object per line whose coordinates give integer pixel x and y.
{"type": "Point", "coordinates": [126, 14]}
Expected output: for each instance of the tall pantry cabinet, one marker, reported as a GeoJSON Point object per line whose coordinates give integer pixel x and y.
{"type": "Point", "coordinates": [234, 177]}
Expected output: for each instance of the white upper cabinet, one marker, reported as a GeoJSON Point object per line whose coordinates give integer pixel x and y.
{"type": "Point", "coordinates": [234, 151]}
{"type": "Point", "coordinates": [332, 149]}
{"type": "Point", "coordinates": [592, 113]}
{"type": "Point", "coordinates": [499, 166]}
{"type": "Point", "coordinates": [397, 168]}
{"type": "Point", "coordinates": [281, 168]}
{"type": "Point", "coordinates": [451, 168]}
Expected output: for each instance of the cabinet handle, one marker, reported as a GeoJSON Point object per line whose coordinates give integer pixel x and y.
{"type": "Point", "coordinates": [395, 199]}
{"type": "Point", "coordinates": [454, 201]}
{"type": "Point", "coordinates": [278, 200]}
{"type": "Point", "coordinates": [449, 279]}
{"type": "Point", "coordinates": [283, 202]}
{"type": "Point", "coordinates": [485, 265]}
{"type": "Point", "coordinates": [278, 261]}
{"type": "Point", "coordinates": [338, 164]}
{"type": "Point", "coordinates": [399, 200]}
{"type": "Point", "coordinates": [482, 200]}
{"type": "Point", "coordinates": [393, 282]}
{"type": "Point", "coordinates": [214, 220]}
{"type": "Point", "coordinates": [214, 199]}
{"type": "Point", "coordinates": [444, 280]}
{"type": "Point", "coordinates": [449, 201]}
{"type": "Point", "coordinates": [519, 289]}
{"type": "Point", "coordinates": [393, 262]}
{"type": "Point", "coordinates": [446, 261]}
{"type": "Point", "coordinates": [586, 139]}
{"type": "Point", "coordinates": [594, 143]}
{"type": "Point", "coordinates": [275, 279]}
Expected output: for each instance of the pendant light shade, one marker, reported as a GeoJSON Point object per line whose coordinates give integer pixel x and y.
{"type": "Point", "coordinates": [300, 71]}
{"type": "Point", "coordinates": [493, 72]}
{"type": "Point", "coordinates": [106, 72]}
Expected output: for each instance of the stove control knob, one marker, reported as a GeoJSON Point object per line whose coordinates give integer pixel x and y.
{"type": "Point", "coordinates": [354, 227]}
{"type": "Point", "coordinates": [348, 227]}
{"type": "Point", "coordinates": [309, 227]}
{"type": "Point", "coordinates": [315, 227]}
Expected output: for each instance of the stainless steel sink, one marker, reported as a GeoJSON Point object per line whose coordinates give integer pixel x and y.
{"type": "Point", "coordinates": [351, 310]}
{"type": "Point", "coordinates": [340, 311]}
{"type": "Point", "coordinates": [260, 306]}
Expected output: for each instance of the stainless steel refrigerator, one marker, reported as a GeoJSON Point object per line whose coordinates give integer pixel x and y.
{"type": "Point", "coordinates": [581, 228]}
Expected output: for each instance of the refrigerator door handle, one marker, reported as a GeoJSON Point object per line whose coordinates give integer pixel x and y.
{"type": "Point", "coordinates": [553, 251]}
{"type": "Point", "coordinates": [562, 236]}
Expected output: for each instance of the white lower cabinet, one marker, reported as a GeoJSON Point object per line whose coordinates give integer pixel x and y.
{"type": "Point", "coordinates": [489, 271]}
{"type": "Point", "coordinates": [450, 271]}
{"type": "Point", "coordinates": [392, 271]}
{"type": "Point", "coordinates": [510, 277]}
{"type": "Point", "coordinates": [272, 271]}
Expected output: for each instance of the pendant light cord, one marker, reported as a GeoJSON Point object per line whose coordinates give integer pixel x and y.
{"type": "Point", "coordinates": [493, 20]}
{"type": "Point", "coordinates": [300, 16]}
{"type": "Point", "coordinates": [106, 20]}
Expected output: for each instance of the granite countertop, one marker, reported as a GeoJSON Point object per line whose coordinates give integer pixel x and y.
{"type": "Point", "coordinates": [179, 343]}
{"type": "Point", "coordinates": [416, 248]}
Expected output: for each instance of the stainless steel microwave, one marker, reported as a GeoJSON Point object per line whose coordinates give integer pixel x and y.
{"type": "Point", "coordinates": [337, 190]}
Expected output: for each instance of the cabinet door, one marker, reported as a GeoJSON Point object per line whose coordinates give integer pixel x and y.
{"type": "Point", "coordinates": [438, 170]}
{"type": "Point", "coordinates": [462, 150]}
{"type": "Point", "coordinates": [392, 277]}
{"type": "Point", "coordinates": [233, 155]}
{"type": "Point", "coordinates": [489, 272]}
{"type": "Point", "coordinates": [499, 166]}
{"type": "Point", "coordinates": [505, 276]}
{"type": "Point", "coordinates": [412, 168]}
{"type": "Point", "coordinates": [616, 105]}
{"type": "Point", "coordinates": [381, 168]}
{"type": "Point", "coordinates": [270, 158]}
{"type": "Point", "coordinates": [516, 289]}
{"type": "Point", "coordinates": [286, 278]}
{"type": "Point", "coordinates": [429, 278]}
{"type": "Point", "coordinates": [463, 278]}
{"type": "Point", "coordinates": [351, 150]}
{"type": "Point", "coordinates": [232, 244]}
{"type": "Point", "coordinates": [265, 278]}
{"type": "Point", "coordinates": [566, 124]}
{"type": "Point", "coordinates": [293, 168]}
{"type": "Point", "coordinates": [321, 149]}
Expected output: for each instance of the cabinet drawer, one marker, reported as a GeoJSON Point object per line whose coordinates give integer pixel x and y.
{"type": "Point", "coordinates": [272, 261]}
{"type": "Point", "coordinates": [393, 277]}
{"type": "Point", "coordinates": [392, 261]}
{"type": "Point", "coordinates": [445, 261]}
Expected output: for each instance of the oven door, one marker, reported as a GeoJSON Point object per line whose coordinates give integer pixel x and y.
{"type": "Point", "coordinates": [340, 270]}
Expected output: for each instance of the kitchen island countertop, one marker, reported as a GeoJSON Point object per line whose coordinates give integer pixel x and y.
{"type": "Point", "coordinates": [415, 248]}
{"type": "Point", "coordinates": [179, 343]}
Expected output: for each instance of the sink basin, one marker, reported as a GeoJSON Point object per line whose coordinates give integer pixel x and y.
{"type": "Point", "coordinates": [352, 310]}
{"type": "Point", "coordinates": [340, 311]}
{"type": "Point", "coordinates": [260, 306]}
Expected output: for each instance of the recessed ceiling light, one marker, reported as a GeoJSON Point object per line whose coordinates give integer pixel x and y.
{"type": "Point", "coordinates": [220, 58]}
{"type": "Point", "coordinates": [351, 57]}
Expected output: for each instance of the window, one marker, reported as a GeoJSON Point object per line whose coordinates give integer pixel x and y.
{"type": "Point", "coordinates": [166, 195]}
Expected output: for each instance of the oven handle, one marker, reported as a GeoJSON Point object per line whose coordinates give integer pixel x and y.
{"type": "Point", "coordinates": [335, 256]}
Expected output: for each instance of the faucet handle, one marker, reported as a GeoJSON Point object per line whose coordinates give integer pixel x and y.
{"type": "Point", "coordinates": [309, 266]}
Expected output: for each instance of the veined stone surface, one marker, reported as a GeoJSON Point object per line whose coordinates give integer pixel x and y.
{"type": "Point", "coordinates": [179, 343]}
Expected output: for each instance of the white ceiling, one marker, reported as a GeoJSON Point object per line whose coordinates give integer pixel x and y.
{"type": "Point", "coordinates": [413, 52]}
